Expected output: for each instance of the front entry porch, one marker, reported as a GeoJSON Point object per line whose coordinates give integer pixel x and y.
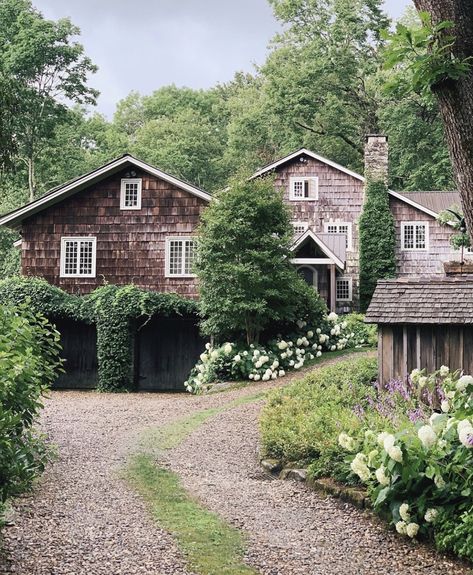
{"type": "Point", "coordinates": [320, 259]}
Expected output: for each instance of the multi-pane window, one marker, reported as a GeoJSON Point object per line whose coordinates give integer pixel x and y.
{"type": "Point", "coordinates": [344, 289]}
{"type": "Point", "coordinates": [340, 228]}
{"type": "Point", "coordinates": [180, 256]}
{"type": "Point", "coordinates": [299, 228]}
{"type": "Point", "coordinates": [304, 188]}
{"type": "Point", "coordinates": [130, 194]}
{"type": "Point", "coordinates": [414, 235]}
{"type": "Point", "coordinates": [78, 257]}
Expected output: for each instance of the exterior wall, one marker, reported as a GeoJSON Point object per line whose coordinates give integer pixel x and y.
{"type": "Point", "coordinates": [340, 199]}
{"type": "Point", "coordinates": [130, 243]}
{"type": "Point", "coordinates": [420, 263]}
{"type": "Point", "coordinates": [402, 348]}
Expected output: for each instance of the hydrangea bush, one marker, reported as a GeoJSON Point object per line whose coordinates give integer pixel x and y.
{"type": "Point", "coordinates": [238, 361]}
{"type": "Point", "coordinates": [420, 474]}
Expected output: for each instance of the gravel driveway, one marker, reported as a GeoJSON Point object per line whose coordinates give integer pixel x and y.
{"type": "Point", "coordinates": [84, 520]}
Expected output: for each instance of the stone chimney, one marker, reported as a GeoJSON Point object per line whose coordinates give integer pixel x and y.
{"type": "Point", "coordinates": [376, 157]}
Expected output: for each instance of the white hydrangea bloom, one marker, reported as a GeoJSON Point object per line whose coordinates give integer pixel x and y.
{"type": "Point", "coordinates": [415, 374]}
{"type": "Point", "coordinates": [207, 346]}
{"type": "Point", "coordinates": [346, 442]}
{"type": "Point", "coordinates": [431, 515]}
{"type": "Point", "coordinates": [228, 348]}
{"type": "Point", "coordinates": [444, 371]}
{"type": "Point", "coordinates": [404, 512]}
{"type": "Point", "coordinates": [282, 373]}
{"type": "Point", "coordinates": [388, 441]}
{"type": "Point", "coordinates": [310, 334]}
{"type": "Point", "coordinates": [381, 476]}
{"type": "Point", "coordinates": [401, 527]}
{"type": "Point", "coordinates": [257, 377]}
{"type": "Point", "coordinates": [265, 377]}
{"type": "Point", "coordinates": [427, 436]}
{"type": "Point", "coordinates": [319, 353]}
{"type": "Point", "coordinates": [237, 358]}
{"type": "Point", "coordinates": [251, 376]}
{"type": "Point", "coordinates": [422, 381]}
{"type": "Point", "coordinates": [214, 354]}
{"type": "Point", "coordinates": [439, 482]}
{"type": "Point", "coordinates": [359, 467]}
{"type": "Point", "coordinates": [464, 382]}
{"type": "Point", "coordinates": [318, 331]}
{"type": "Point", "coordinates": [332, 316]}
{"type": "Point", "coordinates": [203, 357]}
{"type": "Point", "coordinates": [412, 529]}
{"type": "Point", "coordinates": [282, 345]}
{"type": "Point", "coordinates": [445, 406]}
{"type": "Point", "coordinates": [395, 453]}
{"type": "Point", "coordinates": [381, 437]}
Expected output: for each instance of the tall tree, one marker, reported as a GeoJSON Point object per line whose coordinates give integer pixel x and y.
{"type": "Point", "coordinates": [48, 69]}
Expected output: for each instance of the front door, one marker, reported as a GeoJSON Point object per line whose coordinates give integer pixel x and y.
{"type": "Point", "coordinates": [310, 275]}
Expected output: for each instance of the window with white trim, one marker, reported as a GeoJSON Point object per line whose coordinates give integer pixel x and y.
{"type": "Point", "coordinates": [130, 194]}
{"type": "Point", "coordinates": [78, 257]}
{"type": "Point", "coordinates": [340, 228]}
{"type": "Point", "coordinates": [414, 236]}
{"type": "Point", "coordinates": [304, 188]}
{"type": "Point", "coordinates": [180, 256]}
{"type": "Point", "coordinates": [344, 289]}
{"type": "Point", "coordinates": [299, 228]}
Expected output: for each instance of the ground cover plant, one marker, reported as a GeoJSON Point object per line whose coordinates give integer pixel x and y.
{"type": "Point", "coordinates": [29, 357]}
{"type": "Point", "coordinates": [236, 361]}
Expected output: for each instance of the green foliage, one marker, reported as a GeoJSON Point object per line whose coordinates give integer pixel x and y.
{"type": "Point", "coordinates": [29, 356]}
{"type": "Point", "coordinates": [454, 219]}
{"type": "Point", "coordinates": [425, 53]}
{"type": "Point", "coordinates": [420, 475]}
{"type": "Point", "coordinates": [301, 423]}
{"type": "Point", "coordinates": [246, 279]}
{"type": "Point", "coordinates": [118, 313]}
{"type": "Point", "coordinates": [377, 241]}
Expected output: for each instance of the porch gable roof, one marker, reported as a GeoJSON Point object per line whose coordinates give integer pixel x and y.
{"type": "Point", "coordinates": [331, 245]}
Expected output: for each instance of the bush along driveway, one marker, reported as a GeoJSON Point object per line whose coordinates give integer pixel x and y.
{"type": "Point", "coordinates": [157, 484]}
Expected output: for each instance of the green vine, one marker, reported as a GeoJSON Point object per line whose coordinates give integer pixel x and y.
{"type": "Point", "coordinates": [117, 312]}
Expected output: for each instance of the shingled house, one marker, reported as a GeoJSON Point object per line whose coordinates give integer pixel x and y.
{"type": "Point", "coordinates": [423, 323]}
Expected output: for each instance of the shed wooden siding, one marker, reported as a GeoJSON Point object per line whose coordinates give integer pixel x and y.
{"type": "Point", "coordinates": [402, 348]}
{"type": "Point", "coordinates": [421, 263]}
{"type": "Point", "coordinates": [130, 243]}
{"type": "Point", "coordinates": [340, 200]}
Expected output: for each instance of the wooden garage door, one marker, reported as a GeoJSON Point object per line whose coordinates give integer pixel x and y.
{"type": "Point", "coordinates": [79, 343]}
{"type": "Point", "coordinates": [166, 351]}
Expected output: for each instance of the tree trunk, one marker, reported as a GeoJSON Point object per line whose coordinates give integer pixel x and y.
{"type": "Point", "coordinates": [31, 178]}
{"type": "Point", "coordinates": [455, 97]}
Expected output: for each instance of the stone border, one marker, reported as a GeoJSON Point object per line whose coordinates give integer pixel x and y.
{"type": "Point", "coordinates": [355, 495]}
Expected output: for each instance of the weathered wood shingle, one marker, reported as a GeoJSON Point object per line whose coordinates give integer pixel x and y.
{"type": "Point", "coordinates": [423, 301]}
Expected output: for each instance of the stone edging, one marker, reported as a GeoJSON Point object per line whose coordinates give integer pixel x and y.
{"type": "Point", "coordinates": [354, 495]}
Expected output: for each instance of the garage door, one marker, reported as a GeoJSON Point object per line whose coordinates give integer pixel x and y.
{"type": "Point", "coordinates": [166, 351]}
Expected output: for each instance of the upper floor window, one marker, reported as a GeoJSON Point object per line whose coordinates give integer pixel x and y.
{"type": "Point", "coordinates": [415, 236]}
{"type": "Point", "coordinates": [78, 257]}
{"type": "Point", "coordinates": [130, 194]}
{"type": "Point", "coordinates": [344, 289]}
{"type": "Point", "coordinates": [299, 228]}
{"type": "Point", "coordinates": [340, 228]}
{"type": "Point", "coordinates": [180, 255]}
{"type": "Point", "coordinates": [306, 188]}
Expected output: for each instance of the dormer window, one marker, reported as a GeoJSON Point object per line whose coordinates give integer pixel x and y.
{"type": "Point", "coordinates": [306, 188]}
{"type": "Point", "coordinates": [130, 194]}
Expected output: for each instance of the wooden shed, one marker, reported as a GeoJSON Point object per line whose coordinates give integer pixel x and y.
{"type": "Point", "coordinates": [423, 323]}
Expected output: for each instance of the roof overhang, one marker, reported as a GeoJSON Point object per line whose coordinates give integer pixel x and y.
{"type": "Point", "coordinates": [14, 219]}
{"type": "Point", "coordinates": [331, 256]}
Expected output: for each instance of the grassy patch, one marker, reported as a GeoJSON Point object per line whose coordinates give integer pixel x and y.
{"type": "Point", "coordinates": [212, 546]}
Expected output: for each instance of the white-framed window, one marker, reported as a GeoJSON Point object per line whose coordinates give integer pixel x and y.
{"type": "Point", "coordinates": [180, 255]}
{"type": "Point", "coordinates": [130, 194]}
{"type": "Point", "coordinates": [415, 236]}
{"type": "Point", "coordinates": [299, 228]}
{"type": "Point", "coordinates": [78, 257]}
{"type": "Point", "coordinates": [344, 289]}
{"type": "Point", "coordinates": [340, 228]}
{"type": "Point", "coordinates": [306, 188]}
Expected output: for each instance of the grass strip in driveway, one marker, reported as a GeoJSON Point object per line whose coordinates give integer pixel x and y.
{"type": "Point", "coordinates": [211, 545]}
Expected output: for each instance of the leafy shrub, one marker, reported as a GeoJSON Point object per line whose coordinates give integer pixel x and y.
{"type": "Point", "coordinates": [239, 361]}
{"type": "Point", "coordinates": [301, 423]}
{"type": "Point", "coordinates": [421, 475]}
{"type": "Point", "coordinates": [29, 355]}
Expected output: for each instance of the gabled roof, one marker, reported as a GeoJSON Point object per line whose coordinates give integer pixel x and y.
{"type": "Point", "coordinates": [332, 245]}
{"type": "Point", "coordinates": [13, 219]}
{"type": "Point", "coordinates": [431, 203]}
{"type": "Point", "coordinates": [422, 301]}
{"type": "Point", "coordinates": [305, 152]}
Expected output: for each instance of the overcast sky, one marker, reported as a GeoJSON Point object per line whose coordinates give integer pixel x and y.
{"type": "Point", "coordinates": [145, 44]}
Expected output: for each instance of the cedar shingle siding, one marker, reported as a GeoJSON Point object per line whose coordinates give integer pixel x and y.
{"type": "Point", "coordinates": [130, 244]}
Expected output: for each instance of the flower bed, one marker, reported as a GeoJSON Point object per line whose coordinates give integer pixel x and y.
{"type": "Point", "coordinates": [420, 474]}
{"type": "Point", "coordinates": [238, 361]}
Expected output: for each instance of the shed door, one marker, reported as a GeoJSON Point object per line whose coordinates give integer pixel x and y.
{"type": "Point", "coordinates": [166, 351]}
{"type": "Point", "coordinates": [79, 350]}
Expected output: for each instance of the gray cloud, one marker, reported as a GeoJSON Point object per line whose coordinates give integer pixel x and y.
{"type": "Point", "coordinates": [144, 44]}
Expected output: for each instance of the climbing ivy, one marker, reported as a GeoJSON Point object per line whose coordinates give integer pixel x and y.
{"type": "Point", "coordinates": [118, 313]}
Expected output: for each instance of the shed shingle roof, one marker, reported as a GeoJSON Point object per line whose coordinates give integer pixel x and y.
{"type": "Point", "coordinates": [423, 301]}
